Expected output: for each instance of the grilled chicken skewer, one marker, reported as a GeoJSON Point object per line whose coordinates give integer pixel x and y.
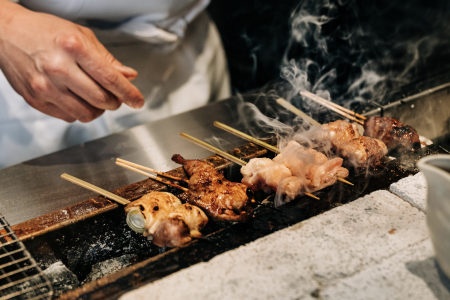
{"type": "Point", "coordinates": [163, 219]}
{"type": "Point", "coordinates": [358, 151]}
{"type": "Point", "coordinates": [397, 136]}
{"type": "Point", "coordinates": [159, 216]}
{"type": "Point", "coordinates": [224, 154]}
{"type": "Point", "coordinates": [346, 141]}
{"type": "Point", "coordinates": [258, 142]}
{"type": "Point", "coordinates": [222, 200]}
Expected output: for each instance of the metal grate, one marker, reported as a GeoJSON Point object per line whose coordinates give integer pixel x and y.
{"type": "Point", "coordinates": [20, 276]}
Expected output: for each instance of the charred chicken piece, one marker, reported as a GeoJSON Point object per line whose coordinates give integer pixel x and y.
{"type": "Point", "coordinates": [363, 151]}
{"type": "Point", "coordinates": [397, 136]}
{"type": "Point", "coordinates": [167, 222]}
{"type": "Point", "coordinates": [221, 199]}
{"type": "Point", "coordinates": [340, 132]}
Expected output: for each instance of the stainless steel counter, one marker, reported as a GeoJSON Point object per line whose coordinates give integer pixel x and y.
{"type": "Point", "coordinates": [34, 188]}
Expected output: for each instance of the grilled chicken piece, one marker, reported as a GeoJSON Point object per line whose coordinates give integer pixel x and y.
{"type": "Point", "coordinates": [397, 136]}
{"type": "Point", "coordinates": [340, 132]}
{"type": "Point", "coordinates": [311, 165]}
{"type": "Point", "coordinates": [168, 222]}
{"type": "Point", "coordinates": [264, 174]}
{"type": "Point", "coordinates": [294, 171]}
{"type": "Point", "coordinates": [221, 199]}
{"type": "Point", "coordinates": [293, 186]}
{"type": "Point", "coordinates": [326, 174]}
{"type": "Point", "coordinates": [363, 151]}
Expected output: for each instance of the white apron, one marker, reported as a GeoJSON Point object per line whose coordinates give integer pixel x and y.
{"type": "Point", "coordinates": [179, 69]}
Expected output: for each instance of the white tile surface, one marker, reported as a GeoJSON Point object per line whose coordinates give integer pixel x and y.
{"type": "Point", "coordinates": [409, 274]}
{"type": "Point", "coordinates": [295, 262]}
{"type": "Point", "coordinates": [412, 189]}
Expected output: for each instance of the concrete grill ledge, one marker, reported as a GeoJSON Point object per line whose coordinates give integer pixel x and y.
{"type": "Point", "coordinates": [412, 189]}
{"type": "Point", "coordinates": [376, 247]}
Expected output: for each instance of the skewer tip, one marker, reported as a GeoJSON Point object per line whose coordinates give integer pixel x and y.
{"type": "Point", "coordinates": [312, 196]}
{"type": "Point", "coordinates": [344, 181]}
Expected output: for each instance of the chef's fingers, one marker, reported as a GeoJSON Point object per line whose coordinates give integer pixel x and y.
{"type": "Point", "coordinates": [96, 65]}
{"type": "Point", "coordinates": [77, 107]}
{"type": "Point", "coordinates": [111, 80]}
{"type": "Point", "coordinates": [128, 72]}
{"type": "Point", "coordinates": [54, 111]}
{"type": "Point", "coordinates": [64, 105]}
{"type": "Point", "coordinates": [89, 90]}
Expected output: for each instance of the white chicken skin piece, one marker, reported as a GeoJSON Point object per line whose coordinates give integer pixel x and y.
{"type": "Point", "coordinates": [168, 222]}
{"type": "Point", "coordinates": [340, 132]}
{"type": "Point", "coordinates": [293, 186]}
{"type": "Point", "coordinates": [294, 171]}
{"type": "Point", "coordinates": [312, 167]}
{"type": "Point", "coordinates": [264, 174]}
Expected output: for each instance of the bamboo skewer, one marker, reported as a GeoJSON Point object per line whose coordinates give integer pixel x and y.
{"type": "Point", "coordinates": [344, 181]}
{"type": "Point", "coordinates": [246, 137]}
{"type": "Point", "coordinates": [213, 149]}
{"type": "Point", "coordinates": [310, 95]}
{"type": "Point", "coordinates": [334, 107]}
{"type": "Point", "coordinates": [96, 189]}
{"type": "Point", "coordinates": [224, 154]}
{"type": "Point", "coordinates": [152, 176]}
{"type": "Point", "coordinates": [150, 170]}
{"type": "Point", "coordinates": [297, 111]}
{"type": "Point", "coordinates": [261, 143]}
{"type": "Point", "coordinates": [243, 135]}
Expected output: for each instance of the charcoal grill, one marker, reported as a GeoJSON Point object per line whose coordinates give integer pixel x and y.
{"type": "Point", "coordinates": [94, 231]}
{"type": "Point", "coordinates": [98, 257]}
{"type": "Point", "coordinates": [20, 275]}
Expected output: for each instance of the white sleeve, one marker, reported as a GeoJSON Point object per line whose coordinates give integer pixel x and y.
{"type": "Point", "coordinates": [155, 21]}
{"type": "Point", "coordinates": [167, 31]}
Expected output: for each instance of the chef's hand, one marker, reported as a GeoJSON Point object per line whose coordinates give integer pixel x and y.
{"type": "Point", "coordinates": [60, 68]}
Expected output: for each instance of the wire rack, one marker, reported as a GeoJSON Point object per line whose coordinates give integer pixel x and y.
{"type": "Point", "coordinates": [20, 276]}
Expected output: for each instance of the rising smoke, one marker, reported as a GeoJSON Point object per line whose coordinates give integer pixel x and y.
{"type": "Point", "coordinates": [350, 52]}
{"type": "Point", "coordinates": [353, 52]}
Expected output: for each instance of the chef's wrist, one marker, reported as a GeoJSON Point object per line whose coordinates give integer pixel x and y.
{"type": "Point", "coordinates": [8, 11]}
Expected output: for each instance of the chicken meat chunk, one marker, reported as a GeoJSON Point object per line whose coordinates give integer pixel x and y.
{"type": "Point", "coordinates": [397, 136]}
{"type": "Point", "coordinates": [168, 222]}
{"type": "Point", "coordinates": [220, 198]}
{"type": "Point", "coordinates": [363, 151]}
{"type": "Point", "coordinates": [340, 132]}
{"type": "Point", "coordinates": [264, 174]}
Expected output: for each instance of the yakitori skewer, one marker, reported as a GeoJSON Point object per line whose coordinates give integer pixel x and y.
{"type": "Point", "coordinates": [351, 115]}
{"type": "Point", "coordinates": [261, 143]}
{"type": "Point", "coordinates": [94, 188]}
{"type": "Point", "coordinates": [224, 154]}
{"type": "Point", "coordinates": [106, 194]}
{"type": "Point", "coordinates": [152, 176]}
{"type": "Point", "coordinates": [126, 162]}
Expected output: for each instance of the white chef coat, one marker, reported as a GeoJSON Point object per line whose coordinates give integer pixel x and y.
{"type": "Point", "coordinates": [176, 51]}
